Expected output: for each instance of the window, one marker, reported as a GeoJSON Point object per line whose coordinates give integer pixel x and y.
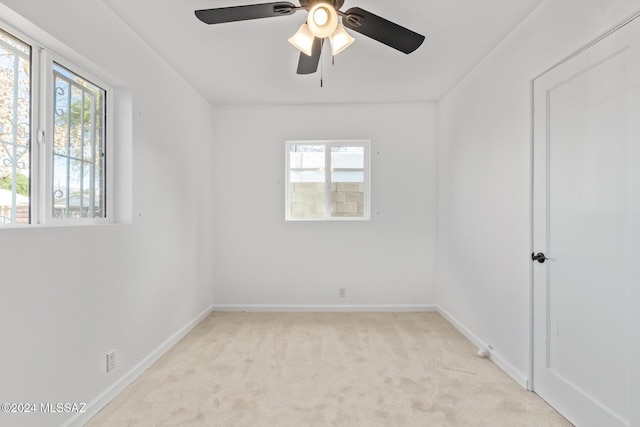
{"type": "Point", "coordinates": [78, 147]}
{"type": "Point", "coordinates": [15, 129]}
{"type": "Point", "coordinates": [53, 138]}
{"type": "Point", "coordinates": [327, 180]}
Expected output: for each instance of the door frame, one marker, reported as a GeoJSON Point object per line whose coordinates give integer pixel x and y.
{"type": "Point", "coordinates": [636, 15]}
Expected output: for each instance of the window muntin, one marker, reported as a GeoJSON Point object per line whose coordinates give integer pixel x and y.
{"type": "Point", "coordinates": [15, 130]}
{"type": "Point", "coordinates": [78, 165]}
{"type": "Point", "coordinates": [327, 180]}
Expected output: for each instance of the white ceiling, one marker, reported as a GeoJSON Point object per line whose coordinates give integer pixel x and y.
{"type": "Point", "coordinates": [251, 62]}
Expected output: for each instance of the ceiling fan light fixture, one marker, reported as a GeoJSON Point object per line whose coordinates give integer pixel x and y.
{"type": "Point", "coordinates": [323, 20]}
{"type": "Point", "coordinates": [303, 39]}
{"type": "Point", "coordinates": [340, 40]}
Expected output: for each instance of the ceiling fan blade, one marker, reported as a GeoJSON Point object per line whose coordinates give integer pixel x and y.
{"type": "Point", "coordinates": [243, 13]}
{"type": "Point", "coordinates": [309, 64]}
{"type": "Point", "coordinates": [393, 35]}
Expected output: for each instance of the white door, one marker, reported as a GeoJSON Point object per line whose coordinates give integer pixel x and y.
{"type": "Point", "coordinates": [587, 222]}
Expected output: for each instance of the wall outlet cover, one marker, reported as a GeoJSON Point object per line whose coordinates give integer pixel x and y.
{"type": "Point", "coordinates": [111, 360]}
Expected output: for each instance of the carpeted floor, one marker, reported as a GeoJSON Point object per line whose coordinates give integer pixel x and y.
{"type": "Point", "coordinates": [325, 369]}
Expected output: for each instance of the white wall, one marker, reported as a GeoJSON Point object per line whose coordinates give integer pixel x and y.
{"type": "Point", "coordinates": [69, 295]}
{"type": "Point", "coordinates": [485, 175]}
{"type": "Point", "coordinates": [262, 260]}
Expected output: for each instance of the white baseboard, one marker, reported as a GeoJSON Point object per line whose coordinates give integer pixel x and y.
{"type": "Point", "coordinates": [105, 397]}
{"type": "Point", "coordinates": [324, 308]}
{"type": "Point", "coordinates": [494, 356]}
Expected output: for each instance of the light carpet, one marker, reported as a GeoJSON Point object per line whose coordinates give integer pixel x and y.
{"type": "Point", "coordinates": [325, 369]}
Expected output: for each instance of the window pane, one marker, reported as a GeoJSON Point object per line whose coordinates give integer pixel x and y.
{"type": "Point", "coordinates": [307, 176]}
{"type": "Point", "coordinates": [347, 199]}
{"type": "Point", "coordinates": [347, 182]}
{"type": "Point", "coordinates": [62, 114]}
{"type": "Point", "coordinates": [306, 156]}
{"type": "Point", "coordinates": [347, 176]}
{"type": "Point", "coordinates": [15, 125]}
{"type": "Point", "coordinates": [307, 187]}
{"type": "Point", "coordinates": [347, 157]}
{"type": "Point", "coordinates": [79, 147]}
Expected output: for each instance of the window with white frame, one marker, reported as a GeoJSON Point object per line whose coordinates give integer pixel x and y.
{"type": "Point", "coordinates": [15, 130]}
{"type": "Point", "coordinates": [327, 180]}
{"type": "Point", "coordinates": [53, 143]}
{"type": "Point", "coordinates": [78, 162]}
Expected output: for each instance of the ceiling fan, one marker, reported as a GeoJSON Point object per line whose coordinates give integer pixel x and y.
{"type": "Point", "coordinates": [322, 23]}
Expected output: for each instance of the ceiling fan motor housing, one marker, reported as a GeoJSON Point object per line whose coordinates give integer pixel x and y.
{"type": "Point", "coordinates": [307, 4]}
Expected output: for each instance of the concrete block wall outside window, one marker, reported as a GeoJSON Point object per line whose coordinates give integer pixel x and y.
{"type": "Point", "coordinates": [308, 202]}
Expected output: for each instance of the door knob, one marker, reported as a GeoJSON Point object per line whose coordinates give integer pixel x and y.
{"type": "Point", "coordinates": [539, 257]}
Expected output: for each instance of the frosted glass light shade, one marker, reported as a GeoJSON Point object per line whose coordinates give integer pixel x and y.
{"type": "Point", "coordinates": [323, 20]}
{"type": "Point", "coordinates": [340, 40]}
{"type": "Point", "coordinates": [303, 39]}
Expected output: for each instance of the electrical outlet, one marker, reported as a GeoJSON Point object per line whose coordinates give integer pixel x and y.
{"type": "Point", "coordinates": [342, 292]}
{"type": "Point", "coordinates": [111, 360]}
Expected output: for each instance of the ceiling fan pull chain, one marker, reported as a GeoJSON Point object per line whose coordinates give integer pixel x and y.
{"type": "Point", "coordinates": [321, 67]}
